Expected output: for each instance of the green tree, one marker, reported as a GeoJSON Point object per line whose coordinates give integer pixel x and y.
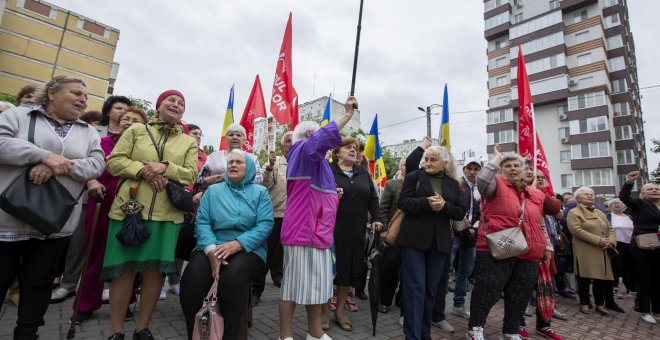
{"type": "Point", "coordinates": [144, 104]}
{"type": "Point", "coordinates": [391, 163]}
{"type": "Point", "coordinates": [208, 149]}
{"type": "Point", "coordinates": [262, 156]}
{"type": "Point", "coordinates": [8, 98]}
{"type": "Point", "coordinates": [655, 174]}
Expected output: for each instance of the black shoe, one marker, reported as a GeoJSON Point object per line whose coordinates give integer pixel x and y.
{"type": "Point", "coordinates": [144, 334]}
{"type": "Point", "coordinates": [254, 299]}
{"type": "Point", "coordinates": [359, 293]}
{"type": "Point", "coordinates": [116, 336]}
{"type": "Point", "coordinates": [83, 317]}
{"type": "Point", "coordinates": [615, 308]}
{"type": "Point", "coordinates": [129, 315]}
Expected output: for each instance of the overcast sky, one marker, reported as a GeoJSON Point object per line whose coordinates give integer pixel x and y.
{"type": "Point", "coordinates": [408, 51]}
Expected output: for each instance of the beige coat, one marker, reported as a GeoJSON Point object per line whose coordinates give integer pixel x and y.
{"type": "Point", "coordinates": [588, 228]}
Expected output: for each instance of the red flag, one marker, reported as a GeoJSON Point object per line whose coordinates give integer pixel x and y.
{"type": "Point", "coordinates": [529, 144]}
{"type": "Point", "coordinates": [255, 108]}
{"type": "Point", "coordinates": [284, 99]}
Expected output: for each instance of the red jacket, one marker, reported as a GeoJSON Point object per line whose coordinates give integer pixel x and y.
{"type": "Point", "coordinates": [502, 210]}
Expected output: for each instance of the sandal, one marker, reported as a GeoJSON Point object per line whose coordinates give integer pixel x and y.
{"type": "Point", "coordinates": [345, 324]}
{"type": "Point", "coordinates": [584, 309]}
{"type": "Point", "coordinates": [350, 305]}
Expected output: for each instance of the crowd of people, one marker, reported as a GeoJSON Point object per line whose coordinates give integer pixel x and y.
{"type": "Point", "coordinates": [305, 216]}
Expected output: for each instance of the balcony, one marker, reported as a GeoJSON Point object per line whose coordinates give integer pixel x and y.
{"type": "Point", "coordinates": [570, 5]}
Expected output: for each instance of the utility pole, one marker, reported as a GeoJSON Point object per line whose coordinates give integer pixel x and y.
{"type": "Point", "coordinates": [428, 121]}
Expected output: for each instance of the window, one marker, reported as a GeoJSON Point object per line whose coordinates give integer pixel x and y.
{"type": "Point", "coordinates": [590, 150]}
{"type": "Point", "coordinates": [625, 157]}
{"type": "Point", "coordinates": [564, 132]}
{"type": "Point", "coordinates": [623, 178]}
{"type": "Point", "coordinates": [497, 20]}
{"type": "Point", "coordinates": [581, 37]}
{"type": "Point", "coordinates": [492, 4]}
{"type": "Point", "coordinates": [617, 64]}
{"type": "Point", "coordinates": [584, 59]}
{"type": "Point", "coordinates": [500, 81]}
{"type": "Point", "coordinates": [499, 43]}
{"type": "Point", "coordinates": [594, 124]}
{"type": "Point", "coordinates": [609, 3]}
{"type": "Point", "coordinates": [612, 20]}
{"type": "Point", "coordinates": [541, 43]}
{"type": "Point", "coordinates": [505, 115]}
{"type": "Point", "coordinates": [623, 132]}
{"type": "Point", "coordinates": [586, 100]}
{"type": "Point", "coordinates": [503, 61]}
{"type": "Point", "coordinates": [621, 109]}
{"type": "Point", "coordinates": [553, 4]}
{"type": "Point", "coordinates": [37, 7]}
{"type": "Point", "coordinates": [586, 81]}
{"type": "Point", "coordinates": [504, 100]}
{"type": "Point", "coordinates": [533, 25]}
{"type": "Point", "coordinates": [580, 16]}
{"type": "Point", "coordinates": [614, 42]}
{"type": "Point", "coordinates": [565, 156]}
{"type": "Point", "coordinates": [517, 18]}
{"type": "Point", "coordinates": [566, 181]}
{"type": "Point", "coordinates": [561, 110]}
{"type": "Point", "coordinates": [506, 136]}
{"type": "Point", "coordinates": [619, 85]}
{"type": "Point", "coordinates": [593, 177]}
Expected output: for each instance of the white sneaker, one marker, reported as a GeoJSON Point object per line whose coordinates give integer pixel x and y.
{"type": "Point", "coordinates": [462, 311]}
{"type": "Point", "coordinates": [60, 294]}
{"type": "Point", "coordinates": [105, 297]}
{"type": "Point", "coordinates": [510, 337]}
{"type": "Point", "coordinates": [401, 321]}
{"type": "Point", "coordinates": [287, 338]}
{"type": "Point", "coordinates": [163, 294]}
{"type": "Point", "coordinates": [309, 337]}
{"type": "Point", "coordinates": [476, 333]}
{"type": "Point", "coordinates": [444, 325]}
{"type": "Point", "coordinates": [175, 289]}
{"type": "Point", "coordinates": [649, 318]}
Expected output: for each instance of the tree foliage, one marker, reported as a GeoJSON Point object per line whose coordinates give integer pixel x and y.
{"type": "Point", "coordinates": [391, 163]}
{"type": "Point", "coordinates": [655, 174]}
{"type": "Point", "coordinates": [208, 149]}
{"type": "Point", "coordinates": [8, 98]}
{"type": "Point", "coordinates": [145, 105]}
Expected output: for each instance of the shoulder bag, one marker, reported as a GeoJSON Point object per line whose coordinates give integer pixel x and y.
{"type": "Point", "coordinates": [509, 242]}
{"type": "Point", "coordinates": [181, 198]}
{"type": "Point", "coordinates": [209, 323]}
{"type": "Point", "coordinates": [45, 207]}
{"type": "Point", "coordinates": [650, 241]}
{"type": "Point", "coordinates": [390, 235]}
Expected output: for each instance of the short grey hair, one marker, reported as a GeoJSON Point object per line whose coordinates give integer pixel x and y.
{"type": "Point", "coordinates": [235, 127]}
{"type": "Point", "coordinates": [236, 152]}
{"type": "Point", "coordinates": [447, 157]}
{"type": "Point", "coordinates": [581, 190]}
{"type": "Point", "coordinates": [288, 133]}
{"type": "Point", "coordinates": [512, 157]}
{"type": "Point", "coordinates": [300, 133]}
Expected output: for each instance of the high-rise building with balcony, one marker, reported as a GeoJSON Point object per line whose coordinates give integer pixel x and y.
{"type": "Point", "coordinates": [580, 59]}
{"type": "Point", "coordinates": [39, 40]}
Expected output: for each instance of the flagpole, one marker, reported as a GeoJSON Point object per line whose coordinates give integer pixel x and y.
{"type": "Point", "coordinates": [535, 136]}
{"type": "Point", "coordinates": [357, 49]}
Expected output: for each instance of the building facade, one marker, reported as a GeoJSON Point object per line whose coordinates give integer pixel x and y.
{"type": "Point", "coordinates": [580, 59]}
{"type": "Point", "coordinates": [402, 150]}
{"type": "Point", "coordinates": [39, 41]}
{"type": "Point", "coordinates": [264, 134]}
{"type": "Point", "coordinates": [313, 110]}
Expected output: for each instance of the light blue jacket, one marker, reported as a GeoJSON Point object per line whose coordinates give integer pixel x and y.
{"type": "Point", "coordinates": [239, 211]}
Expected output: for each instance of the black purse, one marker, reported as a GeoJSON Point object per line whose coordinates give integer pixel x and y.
{"type": "Point", "coordinates": [180, 198]}
{"type": "Point", "coordinates": [45, 207]}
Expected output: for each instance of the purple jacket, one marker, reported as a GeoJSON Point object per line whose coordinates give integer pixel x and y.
{"type": "Point", "coordinates": [311, 209]}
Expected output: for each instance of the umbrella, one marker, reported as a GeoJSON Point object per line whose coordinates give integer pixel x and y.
{"type": "Point", "coordinates": [373, 259]}
{"type": "Point", "coordinates": [76, 304]}
{"type": "Point", "coordinates": [545, 303]}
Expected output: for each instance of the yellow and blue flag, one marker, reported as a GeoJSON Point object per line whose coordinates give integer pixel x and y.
{"type": "Point", "coordinates": [375, 156]}
{"type": "Point", "coordinates": [326, 114]}
{"type": "Point", "coordinates": [229, 119]}
{"type": "Point", "coordinates": [444, 124]}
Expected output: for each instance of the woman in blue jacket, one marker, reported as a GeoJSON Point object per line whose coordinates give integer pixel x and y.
{"type": "Point", "coordinates": [234, 221]}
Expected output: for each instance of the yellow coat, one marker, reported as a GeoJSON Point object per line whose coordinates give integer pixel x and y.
{"type": "Point", "coordinates": [588, 228]}
{"type": "Point", "coordinates": [125, 161]}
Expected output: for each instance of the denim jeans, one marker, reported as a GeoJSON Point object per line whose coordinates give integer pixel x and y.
{"type": "Point", "coordinates": [465, 266]}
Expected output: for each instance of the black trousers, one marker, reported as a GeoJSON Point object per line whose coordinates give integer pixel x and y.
{"type": "Point", "coordinates": [647, 267]}
{"type": "Point", "coordinates": [623, 267]}
{"type": "Point", "coordinates": [232, 288]}
{"type": "Point", "coordinates": [390, 274]}
{"type": "Point", "coordinates": [34, 262]}
{"type": "Point", "coordinates": [274, 260]}
{"type": "Point", "coordinates": [602, 290]}
{"type": "Point", "coordinates": [515, 277]}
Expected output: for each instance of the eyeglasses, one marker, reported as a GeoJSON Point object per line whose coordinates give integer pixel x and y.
{"type": "Point", "coordinates": [540, 177]}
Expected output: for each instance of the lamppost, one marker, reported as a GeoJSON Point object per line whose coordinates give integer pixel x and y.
{"type": "Point", "coordinates": [428, 117]}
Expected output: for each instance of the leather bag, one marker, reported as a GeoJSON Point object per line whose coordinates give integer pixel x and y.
{"type": "Point", "coordinates": [509, 242]}
{"type": "Point", "coordinates": [209, 323]}
{"type": "Point", "coordinates": [393, 228]}
{"type": "Point", "coordinates": [648, 241]}
{"type": "Point", "coordinates": [45, 207]}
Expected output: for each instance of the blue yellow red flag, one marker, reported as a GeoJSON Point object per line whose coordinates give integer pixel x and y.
{"type": "Point", "coordinates": [326, 114]}
{"type": "Point", "coordinates": [373, 153]}
{"type": "Point", "coordinates": [444, 124]}
{"type": "Point", "coordinates": [229, 119]}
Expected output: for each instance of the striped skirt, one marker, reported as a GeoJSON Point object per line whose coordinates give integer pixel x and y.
{"type": "Point", "coordinates": [307, 275]}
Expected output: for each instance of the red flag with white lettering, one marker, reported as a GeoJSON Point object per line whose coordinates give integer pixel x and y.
{"type": "Point", "coordinates": [255, 108]}
{"type": "Point", "coordinates": [284, 99]}
{"type": "Point", "coordinates": [529, 144]}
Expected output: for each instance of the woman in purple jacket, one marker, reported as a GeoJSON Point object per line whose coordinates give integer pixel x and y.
{"type": "Point", "coordinates": [308, 223]}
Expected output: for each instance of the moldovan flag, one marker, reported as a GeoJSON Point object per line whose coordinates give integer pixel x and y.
{"type": "Point", "coordinates": [255, 108]}
{"type": "Point", "coordinates": [229, 119]}
{"type": "Point", "coordinates": [375, 156]}
{"type": "Point", "coordinates": [284, 99]}
{"type": "Point", "coordinates": [326, 114]}
{"type": "Point", "coordinates": [444, 124]}
{"type": "Point", "coordinates": [529, 144]}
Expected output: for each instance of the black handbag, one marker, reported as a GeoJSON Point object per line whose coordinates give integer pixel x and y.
{"type": "Point", "coordinates": [185, 242]}
{"type": "Point", "coordinates": [45, 207]}
{"type": "Point", "coordinates": [180, 198]}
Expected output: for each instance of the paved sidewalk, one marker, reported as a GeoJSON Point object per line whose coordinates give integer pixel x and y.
{"type": "Point", "coordinates": [168, 323]}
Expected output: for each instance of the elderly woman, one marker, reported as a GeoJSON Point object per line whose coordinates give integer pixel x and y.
{"type": "Point", "coordinates": [430, 197]}
{"type": "Point", "coordinates": [26, 95]}
{"type": "Point", "coordinates": [309, 221]}
{"type": "Point", "coordinates": [65, 149]}
{"type": "Point", "coordinates": [102, 191]}
{"type": "Point", "coordinates": [593, 236]}
{"type": "Point", "coordinates": [646, 219]}
{"type": "Point", "coordinates": [622, 265]}
{"type": "Point", "coordinates": [359, 200]}
{"type": "Point", "coordinates": [234, 220]}
{"type": "Point", "coordinates": [112, 109]}
{"type": "Point", "coordinates": [146, 157]}
{"type": "Point", "coordinates": [506, 200]}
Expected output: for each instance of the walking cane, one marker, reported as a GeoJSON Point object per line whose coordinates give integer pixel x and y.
{"type": "Point", "coordinates": [72, 328]}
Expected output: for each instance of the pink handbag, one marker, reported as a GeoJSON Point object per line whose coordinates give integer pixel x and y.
{"type": "Point", "coordinates": [209, 323]}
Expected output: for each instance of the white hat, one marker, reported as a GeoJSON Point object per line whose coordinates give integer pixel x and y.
{"type": "Point", "coordinates": [471, 160]}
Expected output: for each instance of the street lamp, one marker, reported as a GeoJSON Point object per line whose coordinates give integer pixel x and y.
{"type": "Point", "coordinates": [428, 117]}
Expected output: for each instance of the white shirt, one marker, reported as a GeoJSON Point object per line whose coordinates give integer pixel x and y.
{"type": "Point", "coordinates": [623, 228]}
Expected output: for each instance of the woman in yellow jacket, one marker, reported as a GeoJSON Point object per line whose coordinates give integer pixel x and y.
{"type": "Point", "coordinates": [147, 165]}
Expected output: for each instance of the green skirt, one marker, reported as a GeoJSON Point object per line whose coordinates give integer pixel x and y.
{"type": "Point", "coordinates": [156, 254]}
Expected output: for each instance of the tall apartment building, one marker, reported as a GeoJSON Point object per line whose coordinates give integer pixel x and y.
{"type": "Point", "coordinates": [313, 110]}
{"type": "Point", "coordinates": [402, 150]}
{"type": "Point", "coordinates": [39, 40]}
{"type": "Point", "coordinates": [580, 58]}
{"type": "Point", "coordinates": [265, 134]}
